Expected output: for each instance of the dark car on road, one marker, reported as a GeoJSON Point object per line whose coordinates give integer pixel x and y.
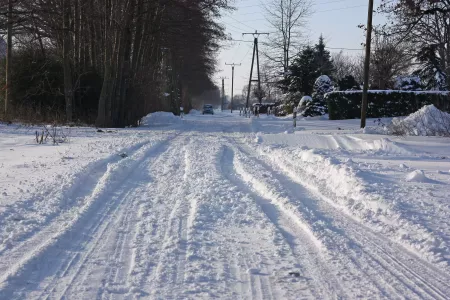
{"type": "Point", "coordinates": [208, 109]}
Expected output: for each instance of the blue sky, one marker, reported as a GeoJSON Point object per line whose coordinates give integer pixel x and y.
{"type": "Point", "coordinates": [337, 20]}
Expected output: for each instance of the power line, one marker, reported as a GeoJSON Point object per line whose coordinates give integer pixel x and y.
{"type": "Point", "coordinates": [249, 48]}
{"type": "Point", "coordinates": [227, 23]}
{"type": "Point", "coordinates": [314, 4]}
{"type": "Point", "coordinates": [233, 40]}
{"type": "Point", "coordinates": [241, 23]}
{"type": "Point", "coordinates": [350, 49]}
{"type": "Point", "coordinates": [235, 51]}
{"type": "Point", "coordinates": [342, 8]}
{"type": "Point", "coordinates": [328, 10]}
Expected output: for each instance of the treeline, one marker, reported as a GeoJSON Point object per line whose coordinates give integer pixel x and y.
{"type": "Point", "coordinates": [107, 61]}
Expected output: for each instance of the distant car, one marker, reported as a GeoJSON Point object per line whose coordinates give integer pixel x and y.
{"type": "Point", "coordinates": [208, 109]}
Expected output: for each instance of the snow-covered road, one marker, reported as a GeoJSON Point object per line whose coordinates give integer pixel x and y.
{"type": "Point", "coordinates": [210, 208]}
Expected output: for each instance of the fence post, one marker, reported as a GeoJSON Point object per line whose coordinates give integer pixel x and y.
{"type": "Point", "coordinates": [295, 116]}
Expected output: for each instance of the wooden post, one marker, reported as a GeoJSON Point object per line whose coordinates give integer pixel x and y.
{"type": "Point", "coordinates": [367, 65]}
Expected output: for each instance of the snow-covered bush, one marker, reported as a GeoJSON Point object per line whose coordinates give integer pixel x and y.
{"type": "Point", "coordinates": [280, 110]}
{"type": "Point", "coordinates": [304, 104]}
{"type": "Point", "coordinates": [428, 121]}
{"type": "Point", "coordinates": [288, 102]}
{"type": "Point", "coordinates": [318, 105]}
{"type": "Point", "coordinates": [408, 83]}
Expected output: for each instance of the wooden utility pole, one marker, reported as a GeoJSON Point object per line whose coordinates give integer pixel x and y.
{"type": "Point", "coordinates": [223, 91]}
{"type": "Point", "coordinates": [255, 34]}
{"type": "Point", "coordinates": [232, 81]}
{"type": "Point", "coordinates": [8, 100]}
{"type": "Point", "coordinates": [367, 65]}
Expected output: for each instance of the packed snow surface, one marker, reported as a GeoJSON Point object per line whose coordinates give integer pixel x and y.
{"type": "Point", "coordinates": [224, 207]}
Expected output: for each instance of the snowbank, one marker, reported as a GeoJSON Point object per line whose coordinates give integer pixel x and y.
{"type": "Point", "coordinates": [344, 185]}
{"type": "Point", "coordinates": [428, 121]}
{"type": "Point", "coordinates": [160, 118]}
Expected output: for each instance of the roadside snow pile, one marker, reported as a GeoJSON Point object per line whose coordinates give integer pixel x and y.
{"type": "Point", "coordinates": [339, 182]}
{"type": "Point", "coordinates": [194, 112]}
{"type": "Point", "coordinates": [428, 121]}
{"type": "Point", "coordinates": [160, 118]}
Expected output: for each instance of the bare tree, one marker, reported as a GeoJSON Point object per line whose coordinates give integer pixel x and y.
{"type": "Point", "coordinates": [388, 60]}
{"type": "Point", "coordinates": [344, 65]}
{"type": "Point", "coordinates": [287, 18]}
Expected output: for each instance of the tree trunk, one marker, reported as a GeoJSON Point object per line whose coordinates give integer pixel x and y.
{"type": "Point", "coordinates": [9, 108]}
{"type": "Point", "coordinates": [68, 88]}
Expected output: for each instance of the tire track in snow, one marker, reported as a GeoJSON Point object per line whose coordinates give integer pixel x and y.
{"type": "Point", "coordinates": [121, 270]}
{"type": "Point", "coordinates": [129, 191]}
{"type": "Point", "coordinates": [66, 196]}
{"type": "Point", "coordinates": [20, 253]}
{"type": "Point", "coordinates": [306, 250]}
{"type": "Point", "coordinates": [147, 245]}
{"type": "Point", "coordinates": [280, 190]}
{"type": "Point", "coordinates": [383, 256]}
{"type": "Point", "coordinates": [387, 256]}
{"type": "Point", "coordinates": [169, 269]}
{"type": "Point", "coordinates": [44, 260]}
{"type": "Point", "coordinates": [216, 257]}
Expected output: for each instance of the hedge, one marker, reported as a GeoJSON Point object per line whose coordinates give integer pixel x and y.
{"type": "Point", "coordinates": [390, 103]}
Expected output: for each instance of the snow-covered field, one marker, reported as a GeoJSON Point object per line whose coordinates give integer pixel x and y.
{"type": "Point", "coordinates": [224, 207]}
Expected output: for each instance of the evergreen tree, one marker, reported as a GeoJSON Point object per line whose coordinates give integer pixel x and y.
{"type": "Point", "coordinates": [434, 78]}
{"type": "Point", "coordinates": [318, 105]}
{"type": "Point", "coordinates": [323, 58]}
{"type": "Point", "coordinates": [303, 72]}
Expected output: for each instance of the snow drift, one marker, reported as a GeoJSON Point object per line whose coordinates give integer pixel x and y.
{"type": "Point", "coordinates": [160, 118]}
